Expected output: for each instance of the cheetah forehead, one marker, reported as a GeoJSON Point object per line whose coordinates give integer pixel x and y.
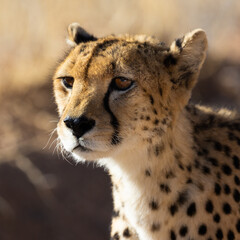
{"type": "Point", "coordinates": [143, 56]}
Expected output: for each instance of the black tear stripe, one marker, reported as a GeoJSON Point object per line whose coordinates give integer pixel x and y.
{"type": "Point", "coordinates": [114, 122]}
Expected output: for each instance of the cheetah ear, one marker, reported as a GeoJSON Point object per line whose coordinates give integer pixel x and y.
{"type": "Point", "coordinates": [77, 34]}
{"type": "Point", "coordinates": [186, 57]}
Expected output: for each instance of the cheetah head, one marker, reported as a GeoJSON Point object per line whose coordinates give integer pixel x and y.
{"type": "Point", "coordinates": [113, 93]}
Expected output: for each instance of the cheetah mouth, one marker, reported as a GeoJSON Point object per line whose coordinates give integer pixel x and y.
{"type": "Point", "coordinates": [81, 148]}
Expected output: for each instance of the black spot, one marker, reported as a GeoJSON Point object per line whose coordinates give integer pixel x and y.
{"type": "Point", "coordinates": [217, 189]}
{"type": "Point", "coordinates": [206, 170]}
{"type": "Point", "coordinates": [113, 64]}
{"type": "Point", "coordinates": [227, 150]}
{"type": "Point", "coordinates": [230, 235]}
{"type": "Point", "coordinates": [183, 231]}
{"type": "Point", "coordinates": [216, 218]}
{"type": "Point", "coordinates": [227, 208]}
{"type": "Point", "coordinates": [83, 47]}
{"type": "Point", "coordinates": [145, 128]}
{"type": "Point", "coordinates": [178, 155]}
{"type": "Point", "coordinates": [213, 161]}
{"type": "Point", "coordinates": [237, 180]}
{"type": "Point", "coordinates": [155, 111]}
{"type": "Point", "coordinates": [156, 121]}
{"type": "Point", "coordinates": [180, 166]}
{"type": "Point", "coordinates": [160, 91]}
{"type": "Point", "coordinates": [173, 209]}
{"type": "Point", "coordinates": [165, 188]}
{"type": "Point", "coordinates": [209, 206]}
{"type": "Point", "coordinates": [182, 197]}
{"type": "Point", "coordinates": [126, 233]}
{"type": "Point", "coordinates": [86, 53]}
{"type": "Point", "coordinates": [153, 205]}
{"type": "Point", "coordinates": [147, 118]}
{"type": "Point", "coordinates": [200, 153]}
{"type": "Point", "coordinates": [155, 227]}
{"type": "Point", "coordinates": [219, 234]}
{"type": "Point", "coordinates": [218, 146]}
{"type": "Point", "coordinates": [189, 168]}
{"type": "Point", "coordinates": [238, 225]}
{"type": "Point", "coordinates": [164, 121]}
{"type": "Point", "coordinates": [116, 236]}
{"type": "Point", "coordinates": [158, 149]}
{"type": "Point", "coordinates": [149, 140]}
{"type": "Point", "coordinates": [115, 214]}
{"type": "Point", "coordinates": [151, 99]}
{"type": "Point", "coordinates": [104, 45]}
{"type": "Point", "coordinates": [169, 60]}
{"type": "Point", "coordinates": [170, 174]}
{"type": "Point", "coordinates": [148, 172]}
{"type": "Point", "coordinates": [236, 162]}
{"type": "Point", "coordinates": [226, 169]}
{"type": "Point", "coordinates": [202, 230]}
{"type": "Point", "coordinates": [227, 189]}
{"type": "Point", "coordinates": [205, 151]}
{"type": "Point", "coordinates": [189, 181]}
{"type": "Point", "coordinates": [236, 195]}
{"type": "Point", "coordinates": [191, 210]}
{"type": "Point", "coordinates": [173, 235]}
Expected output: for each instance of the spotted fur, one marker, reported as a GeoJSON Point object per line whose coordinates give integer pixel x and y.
{"type": "Point", "coordinates": [175, 167]}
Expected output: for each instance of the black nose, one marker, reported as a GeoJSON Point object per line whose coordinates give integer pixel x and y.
{"type": "Point", "coordinates": [79, 125]}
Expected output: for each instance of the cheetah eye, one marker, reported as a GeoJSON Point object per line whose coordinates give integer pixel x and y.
{"type": "Point", "coordinates": [122, 83]}
{"type": "Point", "coordinates": [67, 81]}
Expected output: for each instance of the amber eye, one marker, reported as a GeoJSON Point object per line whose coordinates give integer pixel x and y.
{"type": "Point", "coordinates": [68, 82]}
{"type": "Point", "coordinates": [121, 83]}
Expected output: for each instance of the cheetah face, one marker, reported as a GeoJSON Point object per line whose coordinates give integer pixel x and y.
{"type": "Point", "coordinates": [115, 92]}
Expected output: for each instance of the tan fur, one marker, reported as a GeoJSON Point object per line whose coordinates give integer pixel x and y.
{"type": "Point", "coordinates": [169, 156]}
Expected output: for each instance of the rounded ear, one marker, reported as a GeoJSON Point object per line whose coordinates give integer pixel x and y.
{"type": "Point", "coordinates": [77, 34]}
{"type": "Point", "coordinates": [185, 58]}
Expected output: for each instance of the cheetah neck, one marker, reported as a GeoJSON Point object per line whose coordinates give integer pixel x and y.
{"type": "Point", "coordinates": [171, 152]}
{"type": "Point", "coordinates": [141, 174]}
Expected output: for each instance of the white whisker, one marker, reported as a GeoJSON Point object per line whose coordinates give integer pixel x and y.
{"type": "Point", "coordinates": [50, 137]}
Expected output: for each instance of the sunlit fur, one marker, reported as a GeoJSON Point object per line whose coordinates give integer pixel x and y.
{"type": "Point", "coordinates": [168, 155]}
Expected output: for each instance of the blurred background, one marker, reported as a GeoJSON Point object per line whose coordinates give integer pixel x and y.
{"type": "Point", "coordinates": [43, 196]}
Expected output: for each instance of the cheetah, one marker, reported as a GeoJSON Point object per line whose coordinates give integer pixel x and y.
{"type": "Point", "coordinates": [123, 103]}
